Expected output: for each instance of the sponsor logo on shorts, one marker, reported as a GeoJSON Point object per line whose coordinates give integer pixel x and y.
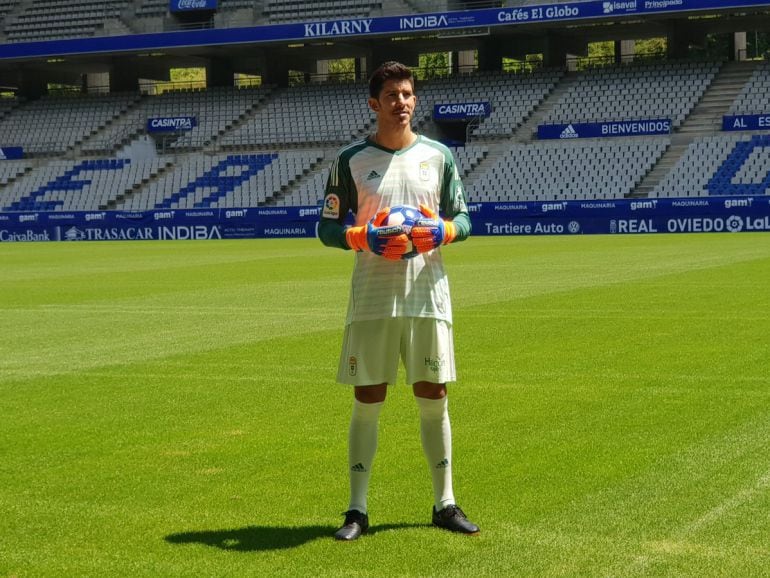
{"type": "Point", "coordinates": [352, 365]}
{"type": "Point", "coordinates": [435, 363]}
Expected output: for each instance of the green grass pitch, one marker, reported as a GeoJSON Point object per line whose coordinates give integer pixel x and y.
{"type": "Point", "coordinates": [170, 409]}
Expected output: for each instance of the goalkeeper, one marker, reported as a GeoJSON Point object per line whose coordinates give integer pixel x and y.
{"type": "Point", "coordinates": [398, 308]}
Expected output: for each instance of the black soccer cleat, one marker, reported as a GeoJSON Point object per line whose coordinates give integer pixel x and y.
{"type": "Point", "coordinates": [355, 524]}
{"type": "Point", "coordinates": [452, 518]}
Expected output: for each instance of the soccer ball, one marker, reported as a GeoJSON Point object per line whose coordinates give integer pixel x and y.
{"type": "Point", "coordinates": [406, 216]}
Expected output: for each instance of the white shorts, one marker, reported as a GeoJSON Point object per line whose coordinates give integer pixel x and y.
{"type": "Point", "coordinates": [371, 351]}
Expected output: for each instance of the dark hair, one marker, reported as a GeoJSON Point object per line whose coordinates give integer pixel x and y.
{"type": "Point", "coordinates": [390, 70]}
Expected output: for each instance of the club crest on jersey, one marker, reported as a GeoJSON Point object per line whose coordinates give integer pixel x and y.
{"type": "Point", "coordinates": [425, 171]}
{"type": "Point", "coordinates": [331, 206]}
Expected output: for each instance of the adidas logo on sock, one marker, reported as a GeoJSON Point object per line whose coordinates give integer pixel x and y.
{"type": "Point", "coordinates": [373, 175]}
{"type": "Point", "coordinates": [359, 467]}
{"type": "Point", "coordinates": [442, 464]}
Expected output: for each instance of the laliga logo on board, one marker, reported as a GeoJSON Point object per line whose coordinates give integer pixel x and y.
{"type": "Point", "coordinates": [734, 224]}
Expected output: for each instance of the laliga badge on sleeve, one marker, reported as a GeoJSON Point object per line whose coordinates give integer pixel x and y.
{"type": "Point", "coordinates": [331, 207]}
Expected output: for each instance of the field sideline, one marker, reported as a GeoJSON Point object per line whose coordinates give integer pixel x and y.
{"type": "Point", "coordinates": [169, 409]}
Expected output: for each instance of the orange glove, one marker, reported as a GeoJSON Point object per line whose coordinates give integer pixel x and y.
{"type": "Point", "coordinates": [389, 241]}
{"type": "Point", "coordinates": [432, 231]}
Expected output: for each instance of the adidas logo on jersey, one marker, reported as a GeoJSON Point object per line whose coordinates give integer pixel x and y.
{"type": "Point", "coordinates": [373, 175]}
{"type": "Point", "coordinates": [359, 467]}
{"type": "Point", "coordinates": [569, 132]}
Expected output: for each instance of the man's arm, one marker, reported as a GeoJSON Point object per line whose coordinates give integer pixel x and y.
{"type": "Point", "coordinates": [340, 197]}
{"type": "Point", "coordinates": [453, 205]}
{"type": "Point", "coordinates": [332, 233]}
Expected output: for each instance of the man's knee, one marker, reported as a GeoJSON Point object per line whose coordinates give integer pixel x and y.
{"type": "Point", "coordinates": [371, 393]}
{"type": "Point", "coordinates": [429, 390]}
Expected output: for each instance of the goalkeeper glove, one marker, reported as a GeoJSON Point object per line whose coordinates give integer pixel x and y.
{"type": "Point", "coordinates": [388, 241]}
{"type": "Point", "coordinates": [432, 231]}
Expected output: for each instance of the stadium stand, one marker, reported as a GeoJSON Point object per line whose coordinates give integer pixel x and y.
{"type": "Point", "coordinates": [513, 96]}
{"type": "Point", "coordinates": [53, 19]}
{"type": "Point", "coordinates": [215, 110]}
{"type": "Point", "coordinates": [7, 105]}
{"type": "Point", "coordinates": [754, 98]}
{"type": "Point", "coordinates": [151, 9]}
{"type": "Point", "coordinates": [78, 185]}
{"type": "Point", "coordinates": [647, 90]}
{"type": "Point", "coordinates": [234, 180]}
{"type": "Point", "coordinates": [52, 125]}
{"type": "Point", "coordinates": [298, 129]}
{"type": "Point", "coordinates": [706, 168]}
{"type": "Point", "coordinates": [11, 170]}
{"type": "Point", "coordinates": [278, 11]}
{"type": "Point", "coordinates": [595, 169]}
{"type": "Point", "coordinates": [7, 6]}
{"type": "Point", "coordinates": [306, 115]}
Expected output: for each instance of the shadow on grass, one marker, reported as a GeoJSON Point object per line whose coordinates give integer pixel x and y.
{"type": "Point", "coordinates": [262, 538]}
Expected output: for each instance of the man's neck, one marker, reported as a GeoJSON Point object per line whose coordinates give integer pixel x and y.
{"type": "Point", "coordinates": [395, 140]}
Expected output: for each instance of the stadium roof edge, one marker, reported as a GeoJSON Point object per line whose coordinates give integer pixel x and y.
{"type": "Point", "coordinates": [387, 26]}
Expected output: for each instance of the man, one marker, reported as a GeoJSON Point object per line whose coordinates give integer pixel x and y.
{"type": "Point", "coordinates": [398, 308]}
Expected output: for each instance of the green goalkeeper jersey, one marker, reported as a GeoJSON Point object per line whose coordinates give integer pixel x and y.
{"type": "Point", "coordinates": [365, 178]}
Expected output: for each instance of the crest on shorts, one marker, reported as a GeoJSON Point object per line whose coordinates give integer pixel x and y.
{"type": "Point", "coordinates": [331, 206]}
{"type": "Point", "coordinates": [353, 365]}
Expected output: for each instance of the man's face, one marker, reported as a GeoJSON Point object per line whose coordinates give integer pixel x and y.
{"type": "Point", "coordinates": [395, 104]}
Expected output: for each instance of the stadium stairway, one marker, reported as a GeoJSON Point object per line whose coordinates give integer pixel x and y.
{"type": "Point", "coordinates": [328, 156]}
{"type": "Point", "coordinates": [666, 162]}
{"type": "Point", "coordinates": [705, 119]}
{"type": "Point", "coordinates": [528, 131]}
{"type": "Point", "coordinates": [496, 150]}
{"type": "Point", "coordinates": [109, 147]}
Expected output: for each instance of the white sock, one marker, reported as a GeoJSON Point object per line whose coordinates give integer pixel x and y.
{"type": "Point", "coordinates": [436, 435]}
{"type": "Point", "coordinates": [362, 445]}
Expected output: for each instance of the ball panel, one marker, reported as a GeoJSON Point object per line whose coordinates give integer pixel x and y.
{"type": "Point", "coordinates": [405, 216]}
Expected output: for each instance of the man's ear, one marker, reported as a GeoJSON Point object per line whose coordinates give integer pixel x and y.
{"type": "Point", "coordinates": [374, 104]}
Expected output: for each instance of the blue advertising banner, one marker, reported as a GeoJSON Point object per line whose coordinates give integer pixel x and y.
{"type": "Point", "coordinates": [175, 224]}
{"type": "Point", "coordinates": [650, 127]}
{"type": "Point", "coordinates": [11, 153]}
{"type": "Point", "coordinates": [461, 110]}
{"type": "Point", "coordinates": [383, 25]}
{"type": "Point", "coordinates": [746, 122]}
{"type": "Point", "coordinates": [171, 124]}
{"type": "Point", "coordinates": [621, 216]}
{"type": "Point", "coordinates": [191, 5]}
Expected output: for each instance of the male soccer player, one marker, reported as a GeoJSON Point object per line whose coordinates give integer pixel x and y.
{"type": "Point", "coordinates": [398, 308]}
